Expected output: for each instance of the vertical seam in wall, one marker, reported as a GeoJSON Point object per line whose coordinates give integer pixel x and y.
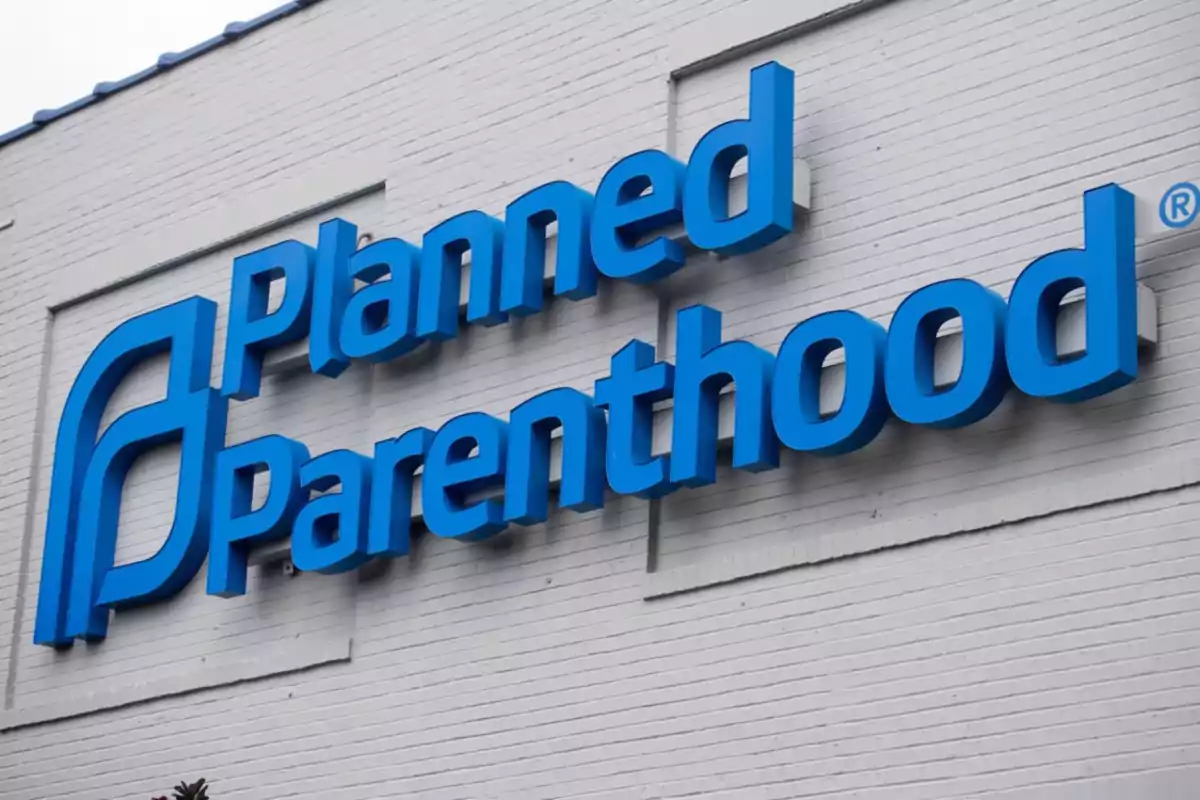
{"type": "Point", "coordinates": [672, 114]}
{"type": "Point", "coordinates": [654, 511]}
{"type": "Point", "coordinates": [35, 468]}
{"type": "Point", "coordinates": [365, 439]}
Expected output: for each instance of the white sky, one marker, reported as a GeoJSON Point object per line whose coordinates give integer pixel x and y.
{"type": "Point", "coordinates": [55, 51]}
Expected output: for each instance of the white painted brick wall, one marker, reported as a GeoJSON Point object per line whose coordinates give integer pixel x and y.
{"type": "Point", "coordinates": [1047, 659]}
{"type": "Point", "coordinates": [943, 146]}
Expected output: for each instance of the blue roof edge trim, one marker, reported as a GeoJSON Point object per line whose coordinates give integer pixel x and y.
{"type": "Point", "coordinates": [166, 61]}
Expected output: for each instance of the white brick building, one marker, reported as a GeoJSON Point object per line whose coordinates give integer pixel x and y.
{"type": "Point", "coordinates": [1009, 610]}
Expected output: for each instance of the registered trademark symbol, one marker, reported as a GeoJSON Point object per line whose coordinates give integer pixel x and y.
{"type": "Point", "coordinates": [1180, 205]}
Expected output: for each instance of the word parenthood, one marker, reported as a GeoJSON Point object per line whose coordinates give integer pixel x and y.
{"type": "Point", "coordinates": [411, 295]}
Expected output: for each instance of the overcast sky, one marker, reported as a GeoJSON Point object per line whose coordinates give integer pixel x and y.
{"type": "Point", "coordinates": [55, 51]}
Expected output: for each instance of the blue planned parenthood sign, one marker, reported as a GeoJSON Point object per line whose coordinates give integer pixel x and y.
{"type": "Point", "coordinates": [410, 296]}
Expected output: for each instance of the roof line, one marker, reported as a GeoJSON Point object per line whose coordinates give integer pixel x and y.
{"type": "Point", "coordinates": [167, 61]}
